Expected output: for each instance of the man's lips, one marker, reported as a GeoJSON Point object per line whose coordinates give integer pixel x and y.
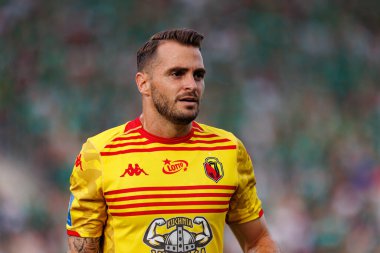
{"type": "Point", "coordinates": [188, 99]}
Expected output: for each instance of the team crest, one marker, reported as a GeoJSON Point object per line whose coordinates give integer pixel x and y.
{"type": "Point", "coordinates": [180, 234]}
{"type": "Point", "coordinates": [213, 168]}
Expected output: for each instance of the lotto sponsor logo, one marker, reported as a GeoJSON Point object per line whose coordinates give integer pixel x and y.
{"type": "Point", "coordinates": [171, 167]}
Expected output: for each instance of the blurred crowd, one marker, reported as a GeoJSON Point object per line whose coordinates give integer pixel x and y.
{"type": "Point", "coordinates": [296, 80]}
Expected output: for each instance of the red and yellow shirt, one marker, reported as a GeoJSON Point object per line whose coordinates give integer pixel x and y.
{"type": "Point", "coordinates": [144, 193]}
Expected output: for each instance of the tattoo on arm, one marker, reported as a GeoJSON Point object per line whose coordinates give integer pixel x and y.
{"type": "Point", "coordinates": [83, 245]}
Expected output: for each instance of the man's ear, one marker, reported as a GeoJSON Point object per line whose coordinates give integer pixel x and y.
{"type": "Point", "coordinates": [142, 82]}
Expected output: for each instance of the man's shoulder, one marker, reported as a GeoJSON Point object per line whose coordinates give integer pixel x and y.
{"type": "Point", "coordinates": [207, 129]}
{"type": "Point", "coordinates": [215, 130]}
{"type": "Point", "coordinates": [100, 140]}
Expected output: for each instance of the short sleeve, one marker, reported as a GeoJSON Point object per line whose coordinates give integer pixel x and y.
{"type": "Point", "coordinates": [87, 209]}
{"type": "Point", "coordinates": [245, 204]}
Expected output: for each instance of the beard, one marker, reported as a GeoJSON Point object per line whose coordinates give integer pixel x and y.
{"type": "Point", "coordinates": [168, 110]}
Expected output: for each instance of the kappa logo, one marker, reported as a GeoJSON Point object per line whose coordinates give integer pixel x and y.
{"type": "Point", "coordinates": [213, 168]}
{"type": "Point", "coordinates": [78, 162]}
{"type": "Point", "coordinates": [131, 171]}
{"type": "Point", "coordinates": [171, 167]}
{"type": "Point", "coordinates": [180, 234]}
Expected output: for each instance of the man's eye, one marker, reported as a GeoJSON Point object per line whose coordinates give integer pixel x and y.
{"type": "Point", "coordinates": [177, 73]}
{"type": "Point", "coordinates": [199, 76]}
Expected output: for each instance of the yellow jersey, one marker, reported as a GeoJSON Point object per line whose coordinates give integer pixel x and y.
{"type": "Point", "coordinates": [144, 193]}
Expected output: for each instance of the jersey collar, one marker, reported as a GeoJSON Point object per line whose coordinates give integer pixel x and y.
{"type": "Point", "coordinates": [136, 125]}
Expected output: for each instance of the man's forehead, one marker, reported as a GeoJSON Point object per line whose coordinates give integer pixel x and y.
{"type": "Point", "coordinates": [172, 54]}
{"type": "Point", "coordinates": [171, 48]}
{"type": "Point", "coordinates": [173, 43]}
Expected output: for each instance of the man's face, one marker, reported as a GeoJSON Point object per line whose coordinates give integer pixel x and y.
{"type": "Point", "coordinates": [177, 81]}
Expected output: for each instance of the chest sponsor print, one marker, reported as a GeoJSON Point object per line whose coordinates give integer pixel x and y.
{"type": "Point", "coordinates": [171, 167]}
{"type": "Point", "coordinates": [178, 234]}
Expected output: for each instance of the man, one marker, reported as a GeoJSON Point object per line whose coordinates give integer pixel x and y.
{"type": "Point", "coordinates": [163, 182]}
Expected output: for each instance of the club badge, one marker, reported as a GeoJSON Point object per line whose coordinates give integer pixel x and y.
{"type": "Point", "coordinates": [213, 168]}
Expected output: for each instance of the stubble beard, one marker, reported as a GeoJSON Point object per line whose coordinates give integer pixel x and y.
{"type": "Point", "coordinates": [162, 105]}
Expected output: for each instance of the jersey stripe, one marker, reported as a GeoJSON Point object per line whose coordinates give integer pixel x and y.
{"type": "Point", "coordinates": [126, 137]}
{"type": "Point", "coordinates": [129, 143]}
{"type": "Point", "coordinates": [129, 138]}
{"type": "Point", "coordinates": [205, 135]}
{"type": "Point", "coordinates": [72, 233]}
{"type": "Point", "coordinates": [158, 196]}
{"type": "Point", "coordinates": [137, 143]}
{"type": "Point", "coordinates": [179, 211]}
{"type": "Point", "coordinates": [207, 141]}
{"type": "Point", "coordinates": [178, 203]}
{"type": "Point", "coordinates": [168, 188]}
{"type": "Point", "coordinates": [143, 150]}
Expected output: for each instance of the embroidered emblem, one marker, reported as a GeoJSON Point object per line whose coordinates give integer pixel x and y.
{"type": "Point", "coordinates": [213, 168]}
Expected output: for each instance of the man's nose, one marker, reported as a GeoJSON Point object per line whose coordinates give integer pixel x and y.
{"type": "Point", "coordinates": [190, 83]}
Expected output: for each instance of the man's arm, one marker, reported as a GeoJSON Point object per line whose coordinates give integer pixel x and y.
{"type": "Point", "coordinates": [254, 237]}
{"type": "Point", "coordinates": [83, 244]}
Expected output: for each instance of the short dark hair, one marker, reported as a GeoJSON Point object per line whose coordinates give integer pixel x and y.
{"type": "Point", "coordinates": [184, 36]}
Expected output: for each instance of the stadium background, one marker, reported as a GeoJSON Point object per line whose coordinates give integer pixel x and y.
{"type": "Point", "coordinates": [297, 80]}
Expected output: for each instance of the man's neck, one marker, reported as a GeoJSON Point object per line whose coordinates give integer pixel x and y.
{"type": "Point", "coordinates": [161, 127]}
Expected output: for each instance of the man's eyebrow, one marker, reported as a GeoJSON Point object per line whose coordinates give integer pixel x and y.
{"type": "Point", "coordinates": [176, 69]}
{"type": "Point", "coordinates": [200, 71]}
{"type": "Point", "coordinates": [183, 69]}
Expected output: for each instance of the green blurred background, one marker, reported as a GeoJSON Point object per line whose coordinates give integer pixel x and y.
{"type": "Point", "coordinates": [296, 80]}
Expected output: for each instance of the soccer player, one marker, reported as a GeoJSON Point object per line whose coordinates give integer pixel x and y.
{"type": "Point", "coordinates": [163, 182]}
